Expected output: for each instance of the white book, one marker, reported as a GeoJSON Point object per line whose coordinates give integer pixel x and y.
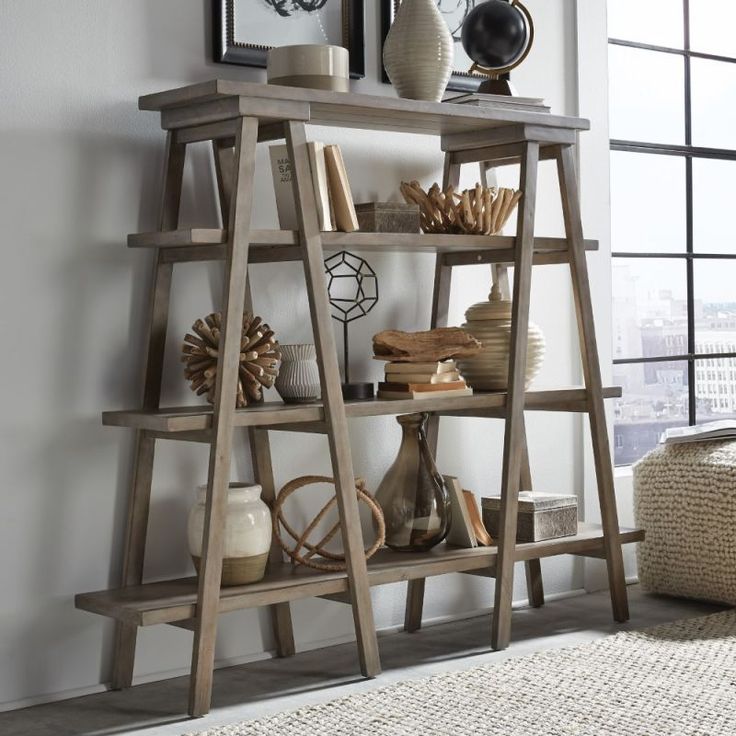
{"type": "Point", "coordinates": [722, 429]}
{"type": "Point", "coordinates": [438, 367]}
{"type": "Point", "coordinates": [283, 187]}
{"type": "Point", "coordinates": [319, 181]}
{"type": "Point", "coordinates": [431, 378]}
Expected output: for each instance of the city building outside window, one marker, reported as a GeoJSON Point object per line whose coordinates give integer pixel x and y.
{"type": "Point", "coordinates": [672, 69]}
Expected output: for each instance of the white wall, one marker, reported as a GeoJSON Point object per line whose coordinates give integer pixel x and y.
{"type": "Point", "coordinates": [80, 170]}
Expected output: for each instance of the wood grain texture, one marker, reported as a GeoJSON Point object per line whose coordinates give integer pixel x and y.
{"type": "Point", "coordinates": [222, 421]}
{"type": "Point", "coordinates": [169, 601]}
{"type": "Point", "coordinates": [334, 408]}
{"type": "Point", "coordinates": [140, 494]}
{"type": "Point", "coordinates": [593, 382]}
{"type": "Point", "coordinates": [513, 435]}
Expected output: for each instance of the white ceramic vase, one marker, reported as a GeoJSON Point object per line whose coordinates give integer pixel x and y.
{"type": "Point", "coordinates": [419, 51]}
{"type": "Point", "coordinates": [298, 379]}
{"type": "Point", "coordinates": [490, 323]}
{"type": "Point", "coordinates": [248, 532]}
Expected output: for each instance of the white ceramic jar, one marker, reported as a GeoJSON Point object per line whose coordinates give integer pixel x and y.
{"type": "Point", "coordinates": [298, 379]}
{"type": "Point", "coordinates": [490, 323]}
{"type": "Point", "coordinates": [248, 532]}
{"type": "Point", "coordinates": [419, 51]}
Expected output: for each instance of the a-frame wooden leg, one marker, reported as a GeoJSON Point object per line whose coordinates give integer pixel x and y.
{"type": "Point", "coordinates": [222, 422]}
{"type": "Point", "coordinates": [140, 496]}
{"type": "Point", "coordinates": [532, 568]}
{"type": "Point", "coordinates": [593, 381]}
{"type": "Point", "coordinates": [342, 464]}
{"type": "Point", "coordinates": [513, 435]}
{"type": "Point", "coordinates": [440, 305]}
{"type": "Point", "coordinates": [260, 448]}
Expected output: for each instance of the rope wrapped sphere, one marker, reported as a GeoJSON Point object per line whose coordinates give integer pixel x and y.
{"type": "Point", "coordinates": [259, 358]}
{"type": "Point", "coordinates": [318, 549]}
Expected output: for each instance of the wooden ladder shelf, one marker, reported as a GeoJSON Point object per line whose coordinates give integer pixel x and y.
{"type": "Point", "coordinates": [235, 116]}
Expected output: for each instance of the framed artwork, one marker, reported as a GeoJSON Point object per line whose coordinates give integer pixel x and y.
{"type": "Point", "coordinates": [245, 30]}
{"type": "Point", "coordinates": [454, 12]}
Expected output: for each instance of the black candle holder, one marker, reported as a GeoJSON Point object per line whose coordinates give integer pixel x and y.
{"type": "Point", "coordinates": [352, 287]}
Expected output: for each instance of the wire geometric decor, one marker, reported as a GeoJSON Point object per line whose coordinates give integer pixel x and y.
{"type": "Point", "coordinates": [352, 287]}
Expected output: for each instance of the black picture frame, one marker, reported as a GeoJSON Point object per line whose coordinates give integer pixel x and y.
{"type": "Point", "coordinates": [226, 50]}
{"type": "Point", "coordinates": [460, 81]}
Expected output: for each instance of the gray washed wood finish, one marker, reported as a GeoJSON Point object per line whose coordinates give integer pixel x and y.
{"type": "Point", "coordinates": [235, 116]}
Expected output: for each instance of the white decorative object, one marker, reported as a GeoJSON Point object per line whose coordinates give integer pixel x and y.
{"type": "Point", "coordinates": [298, 379]}
{"type": "Point", "coordinates": [247, 539]}
{"type": "Point", "coordinates": [490, 323]}
{"type": "Point", "coordinates": [419, 51]}
{"type": "Point", "coordinates": [317, 66]}
{"type": "Point", "coordinates": [685, 499]}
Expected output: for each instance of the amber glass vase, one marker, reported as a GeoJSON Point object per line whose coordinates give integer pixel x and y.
{"type": "Point", "coordinates": [412, 494]}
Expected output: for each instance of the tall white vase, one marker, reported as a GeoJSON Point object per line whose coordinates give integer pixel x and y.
{"type": "Point", "coordinates": [419, 51]}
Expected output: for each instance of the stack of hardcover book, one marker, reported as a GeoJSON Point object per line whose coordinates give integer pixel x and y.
{"type": "Point", "coordinates": [422, 381]}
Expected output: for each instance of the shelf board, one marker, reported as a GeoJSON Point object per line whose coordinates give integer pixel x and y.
{"type": "Point", "coordinates": [276, 414]}
{"type": "Point", "coordinates": [175, 600]}
{"type": "Point", "coordinates": [269, 246]}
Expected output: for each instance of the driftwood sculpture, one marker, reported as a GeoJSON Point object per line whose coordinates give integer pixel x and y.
{"type": "Point", "coordinates": [259, 357]}
{"type": "Point", "coordinates": [420, 347]}
{"type": "Point", "coordinates": [479, 211]}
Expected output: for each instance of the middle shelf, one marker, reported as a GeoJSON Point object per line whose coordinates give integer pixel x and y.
{"type": "Point", "coordinates": [277, 415]}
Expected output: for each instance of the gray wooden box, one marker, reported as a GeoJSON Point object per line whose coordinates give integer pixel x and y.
{"type": "Point", "coordinates": [541, 516]}
{"type": "Point", "coordinates": [388, 217]}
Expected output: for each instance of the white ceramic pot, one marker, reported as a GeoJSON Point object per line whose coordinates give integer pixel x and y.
{"type": "Point", "coordinates": [298, 379]}
{"type": "Point", "coordinates": [419, 51]}
{"type": "Point", "coordinates": [247, 533]}
{"type": "Point", "coordinates": [490, 323]}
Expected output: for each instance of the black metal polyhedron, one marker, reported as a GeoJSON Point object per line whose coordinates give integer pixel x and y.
{"type": "Point", "coordinates": [352, 287]}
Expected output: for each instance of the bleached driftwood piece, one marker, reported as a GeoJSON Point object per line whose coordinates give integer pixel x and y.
{"type": "Point", "coordinates": [420, 347]}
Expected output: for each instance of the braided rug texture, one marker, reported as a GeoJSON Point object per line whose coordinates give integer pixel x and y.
{"type": "Point", "coordinates": [677, 679]}
{"type": "Point", "coordinates": [685, 498]}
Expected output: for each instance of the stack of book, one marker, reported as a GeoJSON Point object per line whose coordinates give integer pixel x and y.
{"type": "Point", "coordinates": [422, 381]}
{"type": "Point", "coordinates": [334, 199]}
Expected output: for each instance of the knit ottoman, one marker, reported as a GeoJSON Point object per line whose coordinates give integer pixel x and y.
{"type": "Point", "coordinates": [685, 499]}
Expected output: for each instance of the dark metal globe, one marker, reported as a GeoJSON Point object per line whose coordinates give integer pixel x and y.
{"type": "Point", "coordinates": [495, 34]}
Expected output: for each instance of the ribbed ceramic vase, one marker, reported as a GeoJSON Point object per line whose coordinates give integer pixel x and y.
{"type": "Point", "coordinates": [490, 323]}
{"type": "Point", "coordinates": [248, 532]}
{"type": "Point", "coordinates": [419, 51]}
{"type": "Point", "coordinates": [412, 494]}
{"type": "Point", "coordinates": [298, 379]}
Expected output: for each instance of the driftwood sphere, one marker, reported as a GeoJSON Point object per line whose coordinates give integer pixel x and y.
{"type": "Point", "coordinates": [330, 560]}
{"type": "Point", "coordinates": [259, 357]}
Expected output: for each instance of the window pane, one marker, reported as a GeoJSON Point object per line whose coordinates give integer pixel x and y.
{"type": "Point", "coordinates": [654, 398]}
{"type": "Point", "coordinates": [713, 204]}
{"type": "Point", "coordinates": [657, 22]}
{"type": "Point", "coordinates": [715, 389]}
{"type": "Point", "coordinates": [715, 306]}
{"type": "Point", "coordinates": [711, 26]}
{"type": "Point", "coordinates": [713, 93]}
{"type": "Point", "coordinates": [647, 218]}
{"type": "Point", "coordinates": [649, 307]}
{"type": "Point", "coordinates": [647, 99]}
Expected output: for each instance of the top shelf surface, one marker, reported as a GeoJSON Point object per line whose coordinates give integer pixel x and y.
{"type": "Point", "coordinates": [346, 109]}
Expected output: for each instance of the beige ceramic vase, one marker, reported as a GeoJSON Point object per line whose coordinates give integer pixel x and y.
{"type": "Point", "coordinates": [490, 323]}
{"type": "Point", "coordinates": [419, 51]}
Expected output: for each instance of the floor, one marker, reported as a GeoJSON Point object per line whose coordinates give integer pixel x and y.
{"type": "Point", "coordinates": [270, 686]}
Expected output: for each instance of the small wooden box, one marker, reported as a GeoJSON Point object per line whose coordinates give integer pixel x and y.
{"type": "Point", "coordinates": [388, 217]}
{"type": "Point", "coordinates": [541, 516]}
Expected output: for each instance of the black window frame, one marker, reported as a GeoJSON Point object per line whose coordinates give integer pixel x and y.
{"type": "Point", "coordinates": [688, 152]}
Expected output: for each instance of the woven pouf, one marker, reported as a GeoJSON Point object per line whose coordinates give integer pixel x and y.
{"type": "Point", "coordinates": [685, 500]}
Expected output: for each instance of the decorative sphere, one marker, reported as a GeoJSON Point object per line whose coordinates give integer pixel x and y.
{"type": "Point", "coordinates": [495, 34]}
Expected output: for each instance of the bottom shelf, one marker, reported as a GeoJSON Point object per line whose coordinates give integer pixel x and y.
{"type": "Point", "coordinates": [175, 600]}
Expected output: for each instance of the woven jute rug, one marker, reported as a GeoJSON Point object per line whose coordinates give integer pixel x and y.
{"type": "Point", "coordinates": [675, 679]}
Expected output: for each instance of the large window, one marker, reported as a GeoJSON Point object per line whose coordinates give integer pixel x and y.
{"type": "Point", "coordinates": [672, 67]}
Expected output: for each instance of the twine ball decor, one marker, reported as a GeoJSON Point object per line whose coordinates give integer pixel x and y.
{"type": "Point", "coordinates": [333, 561]}
{"type": "Point", "coordinates": [259, 358]}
